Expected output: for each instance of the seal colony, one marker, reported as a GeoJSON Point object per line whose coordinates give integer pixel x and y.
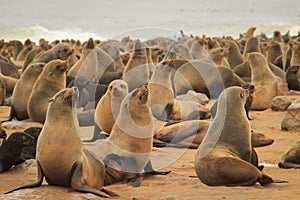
{"type": "Point", "coordinates": [129, 89]}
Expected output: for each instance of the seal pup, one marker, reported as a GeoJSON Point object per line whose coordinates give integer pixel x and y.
{"type": "Point", "coordinates": [108, 107]}
{"type": "Point", "coordinates": [225, 156]}
{"type": "Point", "coordinates": [51, 80]}
{"type": "Point", "coordinates": [11, 149]}
{"type": "Point", "coordinates": [23, 90]}
{"type": "Point", "coordinates": [291, 159]}
{"type": "Point", "coordinates": [126, 152]}
{"type": "Point", "coordinates": [73, 165]}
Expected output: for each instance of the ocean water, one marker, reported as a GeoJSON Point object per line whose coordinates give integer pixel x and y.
{"type": "Point", "coordinates": [103, 19]}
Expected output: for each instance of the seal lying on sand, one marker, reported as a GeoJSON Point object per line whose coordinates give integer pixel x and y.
{"type": "Point", "coordinates": [291, 159]}
{"type": "Point", "coordinates": [63, 161]}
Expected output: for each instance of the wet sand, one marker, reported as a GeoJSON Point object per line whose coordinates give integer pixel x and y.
{"type": "Point", "coordinates": [178, 184]}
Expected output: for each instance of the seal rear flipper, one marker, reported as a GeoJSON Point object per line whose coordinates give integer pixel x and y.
{"type": "Point", "coordinates": [288, 165]}
{"type": "Point", "coordinates": [78, 184]}
{"type": "Point", "coordinates": [40, 177]}
{"type": "Point", "coordinates": [150, 171]}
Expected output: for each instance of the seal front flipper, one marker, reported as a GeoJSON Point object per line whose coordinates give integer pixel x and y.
{"type": "Point", "coordinates": [38, 183]}
{"type": "Point", "coordinates": [150, 171]}
{"type": "Point", "coordinates": [97, 135]}
{"type": "Point", "coordinates": [78, 184]}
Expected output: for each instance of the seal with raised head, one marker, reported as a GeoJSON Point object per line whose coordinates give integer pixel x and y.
{"type": "Point", "coordinates": [126, 152]}
{"type": "Point", "coordinates": [23, 89]}
{"type": "Point", "coordinates": [64, 161]}
{"type": "Point", "coordinates": [264, 81]}
{"type": "Point", "coordinates": [225, 156]}
{"type": "Point", "coordinates": [51, 80]}
{"type": "Point", "coordinates": [108, 107]}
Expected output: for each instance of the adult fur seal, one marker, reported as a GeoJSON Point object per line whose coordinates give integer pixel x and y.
{"type": "Point", "coordinates": [126, 152]}
{"type": "Point", "coordinates": [64, 161]}
{"type": "Point", "coordinates": [51, 80]}
{"type": "Point", "coordinates": [23, 90]}
{"type": "Point", "coordinates": [291, 159]}
{"type": "Point", "coordinates": [225, 156]}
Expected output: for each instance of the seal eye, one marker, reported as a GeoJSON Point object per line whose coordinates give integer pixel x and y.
{"type": "Point", "coordinates": [122, 86]}
{"type": "Point", "coordinates": [242, 94]}
{"type": "Point", "coordinates": [65, 50]}
{"type": "Point", "coordinates": [58, 67]}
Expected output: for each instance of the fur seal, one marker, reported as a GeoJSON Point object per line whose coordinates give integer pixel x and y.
{"type": "Point", "coordinates": [205, 78]}
{"type": "Point", "coordinates": [11, 149]}
{"type": "Point", "coordinates": [73, 165]}
{"type": "Point", "coordinates": [234, 56]}
{"type": "Point", "coordinates": [2, 92]}
{"type": "Point", "coordinates": [295, 59]}
{"type": "Point", "coordinates": [249, 33]}
{"type": "Point", "coordinates": [292, 79]}
{"type": "Point", "coordinates": [9, 82]}
{"type": "Point", "coordinates": [264, 81]}
{"type": "Point", "coordinates": [161, 91]}
{"type": "Point", "coordinates": [229, 161]}
{"type": "Point", "coordinates": [51, 80]}
{"type": "Point", "coordinates": [291, 159]}
{"type": "Point", "coordinates": [126, 151]}
{"type": "Point", "coordinates": [23, 90]}
{"type": "Point", "coordinates": [218, 55]}
{"type": "Point", "coordinates": [137, 64]}
{"type": "Point", "coordinates": [86, 50]}
{"type": "Point", "coordinates": [9, 69]}
{"type": "Point", "coordinates": [252, 45]}
{"type": "Point", "coordinates": [108, 107]}
{"type": "Point", "coordinates": [60, 51]}
{"type": "Point", "coordinates": [274, 51]}
{"type": "Point", "coordinates": [243, 70]}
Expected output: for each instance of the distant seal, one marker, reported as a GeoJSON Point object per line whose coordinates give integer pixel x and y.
{"type": "Point", "coordinates": [108, 107]}
{"type": "Point", "coordinates": [2, 92]}
{"type": "Point", "coordinates": [23, 90]}
{"type": "Point", "coordinates": [292, 79]}
{"type": "Point", "coordinates": [60, 51]}
{"type": "Point", "coordinates": [51, 80]}
{"type": "Point", "coordinates": [229, 161]}
{"type": "Point", "coordinates": [249, 33]}
{"type": "Point", "coordinates": [252, 45]}
{"type": "Point", "coordinates": [264, 81]}
{"type": "Point", "coordinates": [137, 64]}
{"type": "Point", "coordinates": [218, 56]}
{"type": "Point", "coordinates": [234, 56]}
{"type": "Point", "coordinates": [161, 91]}
{"type": "Point", "coordinates": [9, 69]}
{"type": "Point", "coordinates": [274, 51]}
{"type": "Point", "coordinates": [73, 165]}
{"type": "Point", "coordinates": [126, 152]}
{"type": "Point", "coordinates": [204, 77]}
{"type": "Point", "coordinates": [291, 159]}
{"type": "Point", "coordinates": [86, 50]}
{"type": "Point", "coordinates": [295, 59]}
{"type": "Point", "coordinates": [243, 70]}
{"type": "Point", "coordinates": [9, 82]}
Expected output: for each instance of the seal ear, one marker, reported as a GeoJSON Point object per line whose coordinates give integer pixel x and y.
{"type": "Point", "coordinates": [50, 73]}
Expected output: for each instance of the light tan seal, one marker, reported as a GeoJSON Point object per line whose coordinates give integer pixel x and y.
{"type": "Point", "coordinates": [23, 90]}
{"type": "Point", "coordinates": [126, 152]}
{"type": "Point", "coordinates": [225, 156]}
{"type": "Point", "coordinates": [264, 81]}
{"type": "Point", "coordinates": [60, 51]}
{"type": "Point", "coordinates": [108, 107]}
{"type": "Point", "coordinates": [60, 155]}
{"type": "Point", "coordinates": [50, 81]}
{"type": "Point", "coordinates": [291, 159]}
